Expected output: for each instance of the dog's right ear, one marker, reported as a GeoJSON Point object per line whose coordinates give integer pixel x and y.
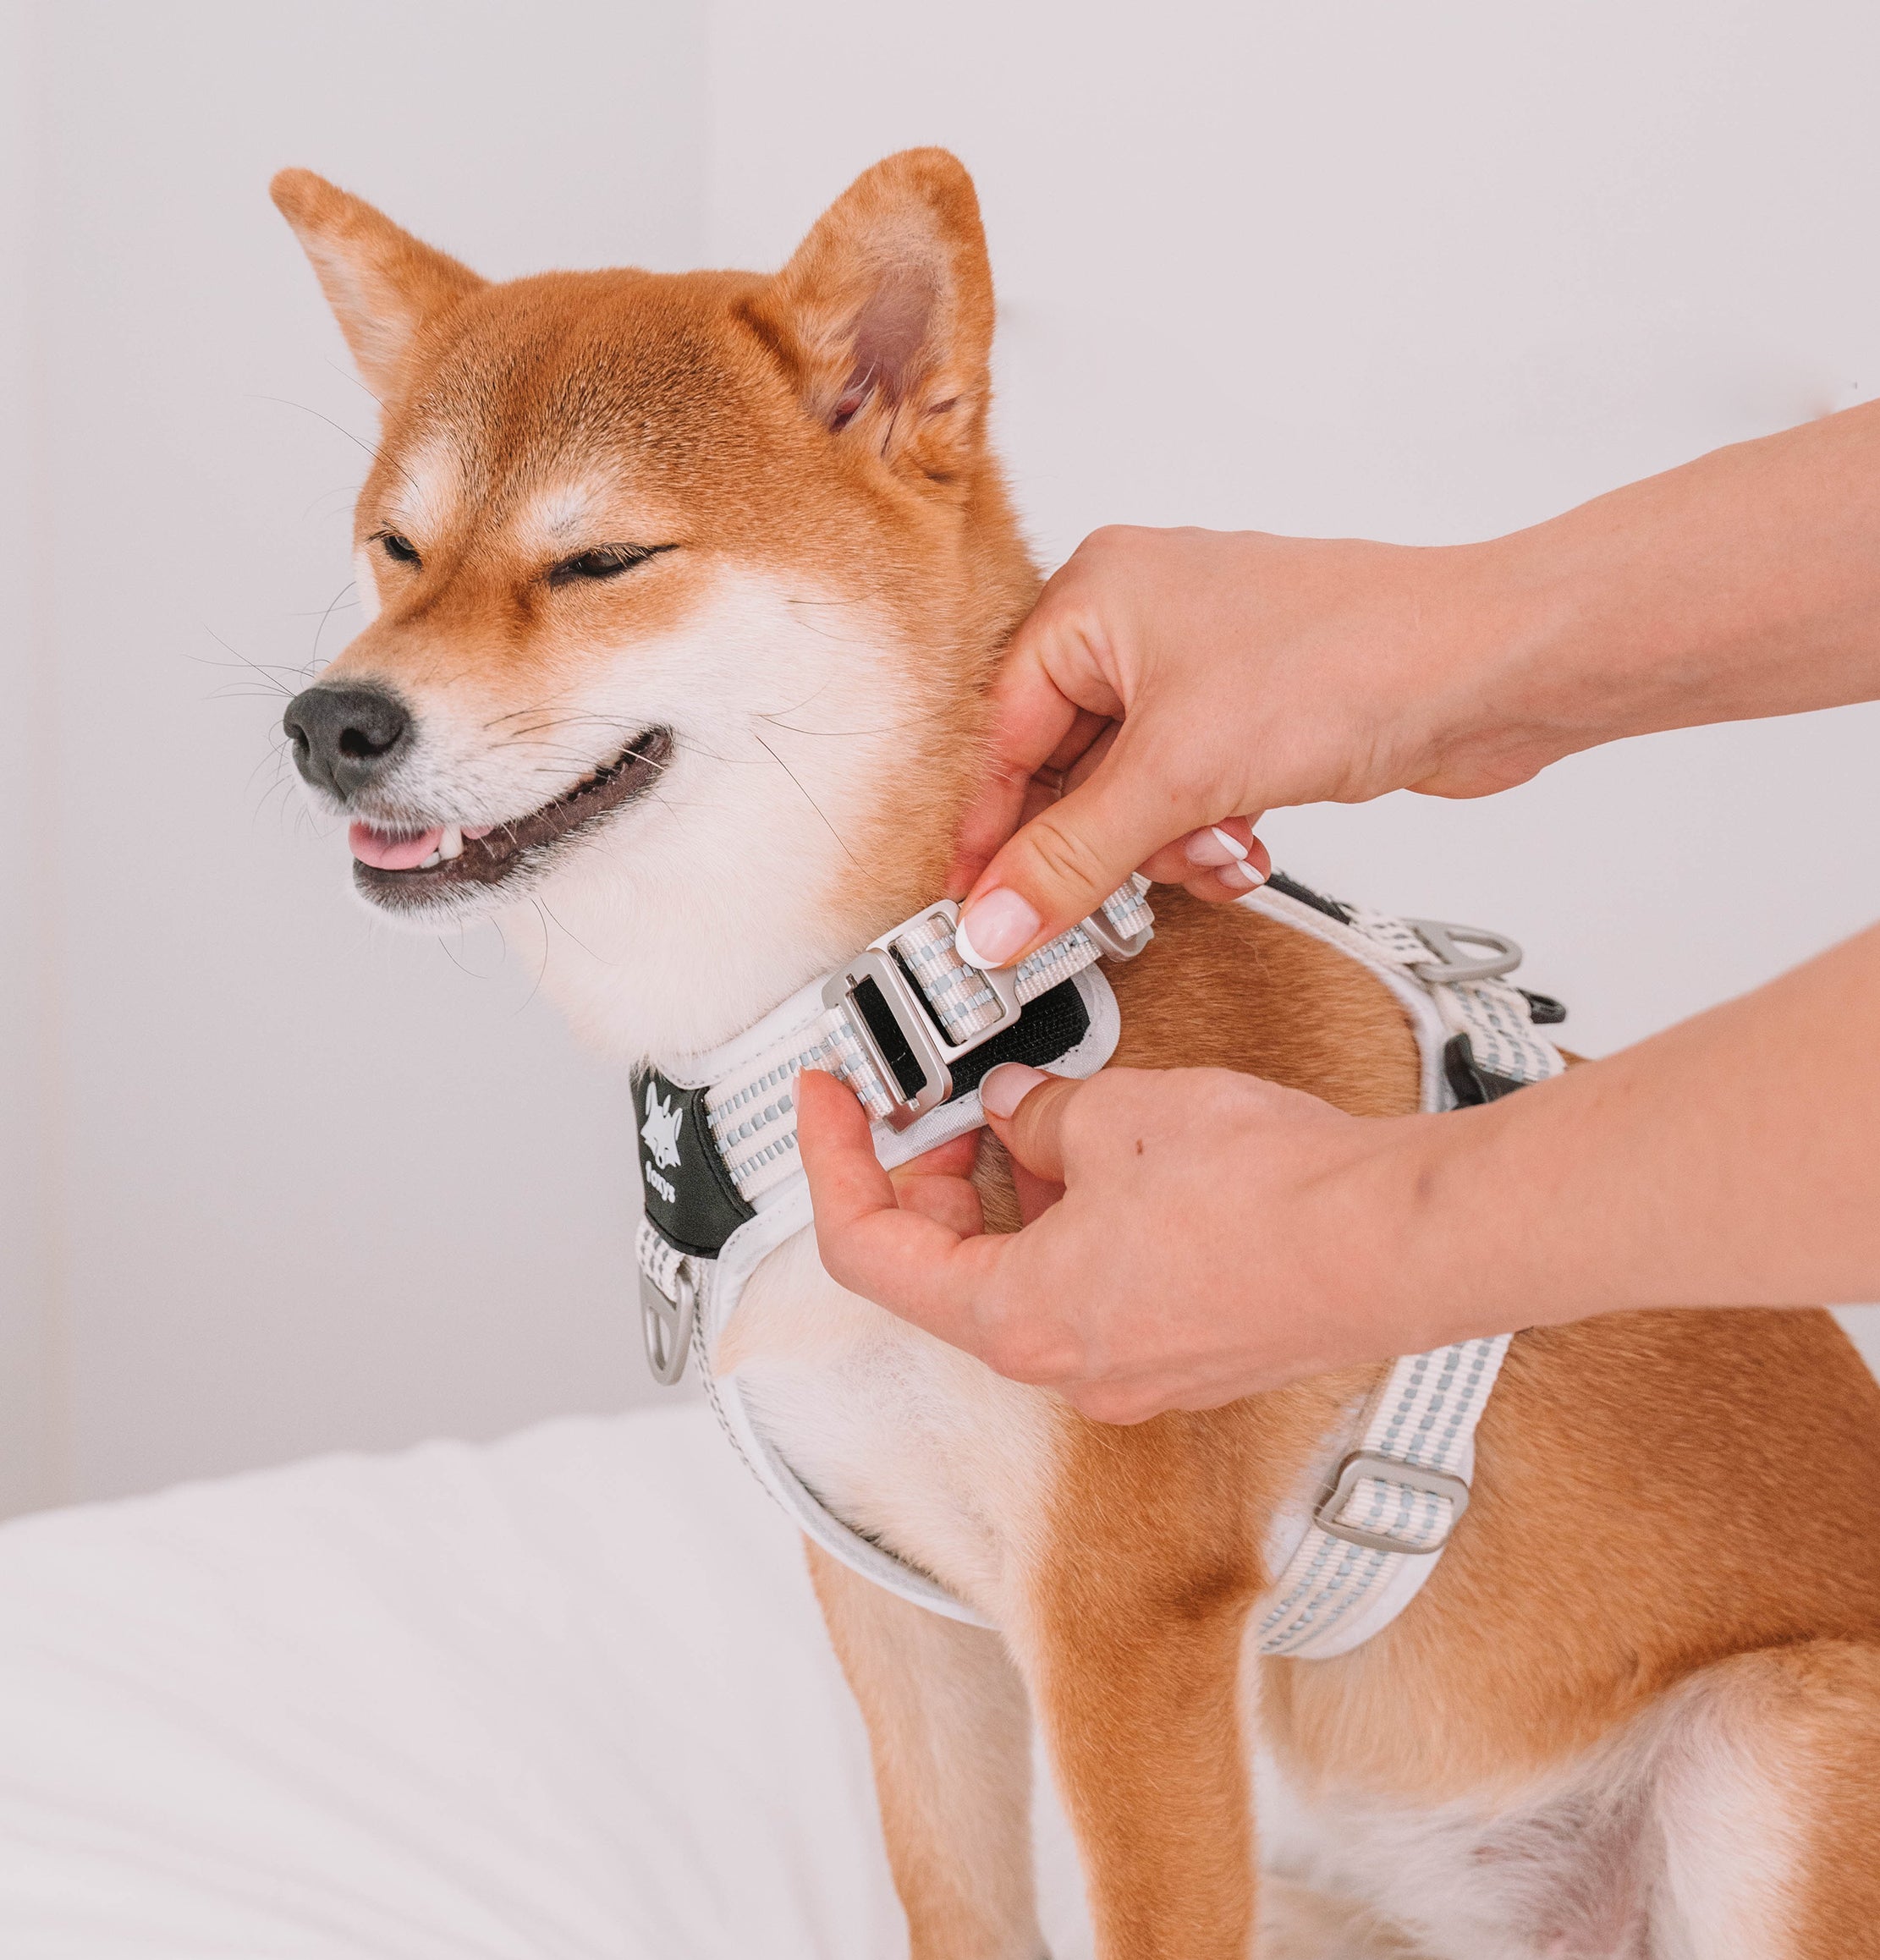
{"type": "Point", "coordinates": [884, 318]}
{"type": "Point", "coordinates": [382, 283]}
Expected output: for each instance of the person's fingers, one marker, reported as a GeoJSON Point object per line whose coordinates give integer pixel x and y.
{"type": "Point", "coordinates": [847, 1182]}
{"type": "Point", "coordinates": [1025, 1109]}
{"type": "Point", "coordinates": [1084, 746]}
{"type": "Point", "coordinates": [1063, 864]}
{"type": "Point", "coordinates": [955, 1158]}
{"type": "Point", "coordinates": [1078, 769]}
{"type": "Point", "coordinates": [1219, 844]}
{"type": "Point", "coordinates": [1032, 721]}
{"type": "Point", "coordinates": [949, 1201]}
{"type": "Point", "coordinates": [1230, 881]}
{"type": "Point", "coordinates": [1213, 848]}
{"type": "Point", "coordinates": [917, 1265]}
{"type": "Point", "coordinates": [938, 1185]}
{"type": "Point", "coordinates": [1035, 1194]}
{"type": "Point", "coordinates": [993, 820]}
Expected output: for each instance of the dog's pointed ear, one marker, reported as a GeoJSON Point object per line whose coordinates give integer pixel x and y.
{"type": "Point", "coordinates": [382, 283]}
{"type": "Point", "coordinates": [884, 318]}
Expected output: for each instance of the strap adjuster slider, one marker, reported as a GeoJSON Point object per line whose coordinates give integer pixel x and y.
{"type": "Point", "coordinates": [1373, 1463]}
{"type": "Point", "coordinates": [892, 1021]}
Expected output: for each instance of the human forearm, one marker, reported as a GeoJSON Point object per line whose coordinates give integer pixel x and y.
{"type": "Point", "coordinates": [1743, 584]}
{"type": "Point", "coordinates": [1218, 1235]}
{"type": "Point", "coordinates": [1238, 672]}
{"type": "Point", "coordinates": [1734, 1159]}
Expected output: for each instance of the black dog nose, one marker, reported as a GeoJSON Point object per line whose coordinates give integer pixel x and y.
{"type": "Point", "coordinates": [343, 737]}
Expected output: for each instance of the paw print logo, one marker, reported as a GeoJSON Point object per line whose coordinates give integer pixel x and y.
{"type": "Point", "coordinates": [660, 1129]}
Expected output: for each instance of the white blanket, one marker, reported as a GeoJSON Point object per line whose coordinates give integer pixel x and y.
{"type": "Point", "coordinates": [563, 1698]}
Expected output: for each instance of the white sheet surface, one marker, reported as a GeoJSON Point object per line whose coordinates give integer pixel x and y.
{"type": "Point", "coordinates": [561, 1697]}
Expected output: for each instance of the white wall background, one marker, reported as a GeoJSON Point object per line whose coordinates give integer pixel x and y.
{"type": "Point", "coordinates": [274, 1179]}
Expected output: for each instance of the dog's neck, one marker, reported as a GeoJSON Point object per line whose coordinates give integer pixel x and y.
{"type": "Point", "coordinates": [775, 845]}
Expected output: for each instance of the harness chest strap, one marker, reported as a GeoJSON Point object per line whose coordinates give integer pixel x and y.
{"type": "Point", "coordinates": [912, 1030]}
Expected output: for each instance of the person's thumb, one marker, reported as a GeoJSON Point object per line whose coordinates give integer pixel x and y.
{"type": "Point", "coordinates": [1063, 864]}
{"type": "Point", "coordinates": [1025, 1108]}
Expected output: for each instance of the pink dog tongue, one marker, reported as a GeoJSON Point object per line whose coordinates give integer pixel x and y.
{"type": "Point", "coordinates": [387, 851]}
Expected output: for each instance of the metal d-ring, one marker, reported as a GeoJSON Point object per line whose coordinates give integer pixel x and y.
{"type": "Point", "coordinates": [1450, 968]}
{"type": "Point", "coordinates": [668, 1326]}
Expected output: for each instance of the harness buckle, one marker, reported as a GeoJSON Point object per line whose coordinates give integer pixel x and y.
{"type": "Point", "coordinates": [667, 1324]}
{"type": "Point", "coordinates": [1362, 1463]}
{"type": "Point", "coordinates": [1113, 944]}
{"type": "Point", "coordinates": [1451, 967]}
{"type": "Point", "coordinates": [894, 1022]}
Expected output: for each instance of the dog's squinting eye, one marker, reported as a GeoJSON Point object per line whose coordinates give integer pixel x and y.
{"type": "Point", "coordinates": [398, 547]}
{"type": "Point", "coordinates": [608, 562]}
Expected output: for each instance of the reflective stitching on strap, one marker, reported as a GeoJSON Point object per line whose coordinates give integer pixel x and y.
{"type": "Point", "coordinates": [962, 1002]}
{"type": "Point", "coordinates": [752, 1113]}
{"type": "Point", "coordinates": [1040, 971]}
{"type": "Point", "coordinates": [1425, 1413]}
{"type": "Point", "coordinates": [1127, 908]}
{"type": "Point", "coordinates": [660, 1259]}
{"type": "Point", "coordinates": [1332, 1593]}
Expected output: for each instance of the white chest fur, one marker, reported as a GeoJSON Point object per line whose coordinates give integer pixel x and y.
{"type": "Point", "coordinates": [906, 1440]}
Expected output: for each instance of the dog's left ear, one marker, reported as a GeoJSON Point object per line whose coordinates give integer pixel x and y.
{"type": "Point", "coordinates": [382, 284]}
{"type": "Point", "coordinates": [884, 316]}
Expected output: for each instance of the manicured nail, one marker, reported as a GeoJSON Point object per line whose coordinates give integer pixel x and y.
{"type": "Point", "coordinates": [1242, 877]}
{"type": "Point", "coordinates": [1007, 1086]}
{"type": "Point", "coordinates": [1213, 848]}
{"type": "Point", "coordinates": [1001, 922]}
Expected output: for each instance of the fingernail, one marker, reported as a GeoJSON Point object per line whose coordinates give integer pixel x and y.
{"type": "Point", "coordinates": [1001, 922]}
{"type": "Point", "coordinates": [1214, 846]}
{"type": "Point", "coordinates": [1242, 877]}
{"type": "Point", "coordinates": [1007, 1086]}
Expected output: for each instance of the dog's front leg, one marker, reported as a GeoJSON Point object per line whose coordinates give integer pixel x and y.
{"type": "Point", "coordinates": [1134, 1659]}
{"type": "Point", "coordinates": [1144, 1739]}
{"type": "Point", "coordinates": [949, 1730]}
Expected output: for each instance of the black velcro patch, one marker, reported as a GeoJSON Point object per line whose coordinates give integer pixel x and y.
{"type": "Point", "coordinates": [1050, 1026]}
{"type": "Point", "coordinates": [690, 1196]}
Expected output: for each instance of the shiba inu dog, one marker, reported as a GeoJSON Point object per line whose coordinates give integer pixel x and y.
{"type": "Point", "coordinates": [683, 594]}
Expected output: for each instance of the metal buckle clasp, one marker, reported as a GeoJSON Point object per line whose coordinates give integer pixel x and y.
{"type": "Point", "coordinates": [891, 1016]}
{"type": "Point", "coordinates": [1451, 966]}
{"type": "Point", "coordinates": [1362, 1463]}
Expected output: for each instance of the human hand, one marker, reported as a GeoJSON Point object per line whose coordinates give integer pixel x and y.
{"type": "Point", "coordinates": [1192, 1235]}
{"type": "Point", "coordinates": [1176, 684]}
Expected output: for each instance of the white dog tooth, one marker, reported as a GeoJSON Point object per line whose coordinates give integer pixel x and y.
{"type": "Point", "coordinates": [453, 843]}
{"type": "Point", "coordinates": [431, 862]}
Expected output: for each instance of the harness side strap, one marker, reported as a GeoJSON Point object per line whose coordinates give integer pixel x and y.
{"type": "Point", "coordinates": [1381, 1523]}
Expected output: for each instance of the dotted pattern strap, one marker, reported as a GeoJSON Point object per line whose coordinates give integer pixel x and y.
{"type": "Point", "coordinates": [1425, 1417]}
{"type": "Point", "coordinates": [752, 1112]}
{"type": "Point", "coordinates": [1332, 1593]}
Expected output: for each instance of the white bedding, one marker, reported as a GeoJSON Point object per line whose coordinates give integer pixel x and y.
{"type": "Point", "coordinates": [563, 1697]}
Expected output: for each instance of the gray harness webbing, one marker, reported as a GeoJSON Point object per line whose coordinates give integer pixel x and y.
{"type": "Point", "coordinates": [912, 1029]}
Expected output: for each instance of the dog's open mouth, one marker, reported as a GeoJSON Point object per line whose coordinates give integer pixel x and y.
{"type": "Point", "coordinates": [418, 867]}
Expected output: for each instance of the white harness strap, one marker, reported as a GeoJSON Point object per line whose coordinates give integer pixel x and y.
{"type": "Point", "coordinates": [733, 1112]}
{"type": "Point", "coordinates": [1371, 1538]}
{"type": "Point", "coordinates": [750, 1105]}
{"type": "Point", "coordinates": [1364, 1548]}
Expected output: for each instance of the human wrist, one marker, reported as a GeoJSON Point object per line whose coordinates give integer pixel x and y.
{"type": "Point", "coordinates": [1452, 1264]}
{"type": "Point", "coordinates": [1495, 670]}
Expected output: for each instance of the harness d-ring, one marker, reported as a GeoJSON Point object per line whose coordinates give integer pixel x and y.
{"type": "Point", "coordinates": [1452, 966]}
{"type": "Point", "coordinates": [668, 1326]}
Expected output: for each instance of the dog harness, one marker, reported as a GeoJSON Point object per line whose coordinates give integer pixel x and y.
{"type": "Point", "coordinates": [912, 1029]}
